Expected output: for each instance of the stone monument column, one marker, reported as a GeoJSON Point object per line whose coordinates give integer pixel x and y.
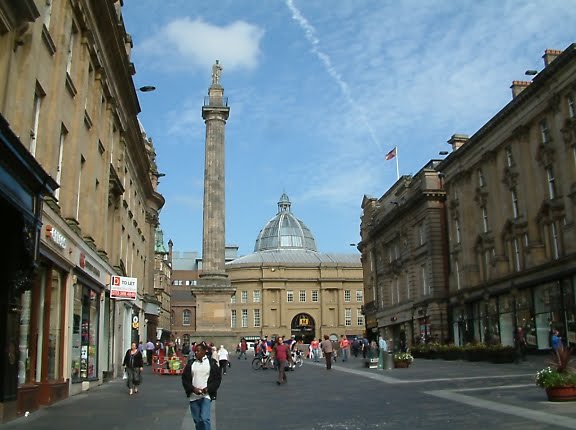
{"type": "Point", "coordinates": [213, 289]}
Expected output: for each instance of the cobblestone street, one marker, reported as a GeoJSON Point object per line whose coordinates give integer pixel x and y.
{"type": "Point", "coordinates": [431, 394]}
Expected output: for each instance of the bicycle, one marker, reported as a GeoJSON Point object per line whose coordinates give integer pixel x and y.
{"type": "Point", "coordinates": [297, 358]}
{"type": "Point", "coordinates": [263, 362]}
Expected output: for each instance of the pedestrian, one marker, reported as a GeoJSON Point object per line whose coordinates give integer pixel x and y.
{"type": "Point", "coordinates": [382, 344]}
{"type": "Point", "coordinates": [201, 380]}
{"type": "Point", "coordinates": [519, 345]}
{"type": "Point", "coordinates": [149, 352]}
{"type": "Point", "coordinates": [556, 342]}
{"type": "Point", "coordinates": [281, 354]}
{"type": "Point", "coordinates": [223, 359]}
{"type": "Point", "coordinates": [326, 347]}
{"type": "Point", "coordinates": [344, 347]}
{"type": "Point", "coordinates": [243, 349]}
{"type": "Point", "coordinates": [315, 350]}
{"type": "Point", "coordinates": [133, 366]}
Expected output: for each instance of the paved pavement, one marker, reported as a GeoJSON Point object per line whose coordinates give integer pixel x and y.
{"type": "Point", "coordinates": [431, 394]}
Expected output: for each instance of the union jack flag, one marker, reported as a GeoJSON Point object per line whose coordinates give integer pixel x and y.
{"type": "Point", "coordinates": [391, 154]}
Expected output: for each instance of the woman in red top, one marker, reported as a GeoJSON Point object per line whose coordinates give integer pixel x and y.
{"type": "Point", "coordinates": [282, 354]}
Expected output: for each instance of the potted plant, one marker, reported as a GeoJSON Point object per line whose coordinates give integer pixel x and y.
{"type": "Point", "coordinates": [558, 379]}
{"type": "Point", "coordinates": [403, 359]}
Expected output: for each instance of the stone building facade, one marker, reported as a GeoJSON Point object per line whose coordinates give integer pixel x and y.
{"type": "Point", "coordinates": [505, 207]}
{"type": "Point", "coordinates": [403, 250]}
{"type": "Point", "coordinates": [286, 287]}
{"type": "Point", "coordinates": [511, 194]}
{"type": "Point", "coordinates": [69, 98]}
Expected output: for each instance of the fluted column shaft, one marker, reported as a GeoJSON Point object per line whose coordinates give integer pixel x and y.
{"type": "Point", "coordinates": [214, 230]}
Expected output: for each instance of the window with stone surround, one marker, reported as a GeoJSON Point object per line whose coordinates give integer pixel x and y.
{"type": "Point", "coordinates": [186, 316]}
{"type": "Point", "coordinates": [551, 183]}
{"type": "Point", "coordinates": [359, 318]}
{"type": "Point", "coordinates": [347, 317]}
{"type": "Point", "coordinates": [571, 105]}
{"type": "Point", "coordinates": [515, 209]}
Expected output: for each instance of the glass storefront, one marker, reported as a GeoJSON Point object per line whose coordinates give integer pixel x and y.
{"type": "Point", "coordinates": [569, 289]}
{"type": "Point", "coordinates": [85, 333]}
{"type": "Point", "coordinates": [536, 310]}
{"type": "Point", "coordinates": [55, 326]}
{"type": "Point", "coordinates": [42, 313]}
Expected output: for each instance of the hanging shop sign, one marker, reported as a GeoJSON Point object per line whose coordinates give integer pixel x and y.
{"type": "Point", "coordinates": [123, 288]}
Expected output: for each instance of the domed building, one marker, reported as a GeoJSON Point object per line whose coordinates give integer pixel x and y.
{"type": "Point", "coordinates": [287, 287]}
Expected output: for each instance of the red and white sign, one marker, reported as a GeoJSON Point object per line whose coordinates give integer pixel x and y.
{"type": "Point", "coordinates": [123, 288]}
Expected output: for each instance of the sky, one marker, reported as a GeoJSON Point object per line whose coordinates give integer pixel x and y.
{"type": "Point", "coordinates": [319, 92]}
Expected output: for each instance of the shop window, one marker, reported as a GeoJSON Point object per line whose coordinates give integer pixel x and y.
{"type": "Point", "coordinates": [55, 326]}
{"type": "Point", "coordinates": [85, 334]}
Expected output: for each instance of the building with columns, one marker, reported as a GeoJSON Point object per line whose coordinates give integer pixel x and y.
{"type": "Point", "coordinates": [495, 248]}
{"type": "Point", "coordinates": [403, 253]}
{"type": "Point", "coordinates": [287, 287]}
{"type": "Point", "coordinates": [87, 199]}
{"type": "Point", "coordinates": [511, 207]}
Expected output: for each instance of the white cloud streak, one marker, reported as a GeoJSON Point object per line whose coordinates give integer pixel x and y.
{"type": "Point", "coordinates": [310, 33]}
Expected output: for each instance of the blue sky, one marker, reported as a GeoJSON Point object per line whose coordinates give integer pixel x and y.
{"type": "Point", "coordinates": [319, 92]}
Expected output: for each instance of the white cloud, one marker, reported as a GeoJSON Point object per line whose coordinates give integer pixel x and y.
{"type": "Point", "coordinates": [187, 43]}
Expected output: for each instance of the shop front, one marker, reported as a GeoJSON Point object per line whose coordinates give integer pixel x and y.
{"type": "Point", "coordinates": [23, 185]}
{"type": "Point", "coordinates": [537, 310]}
{"type": "Point", "coordinates": [91, 321]}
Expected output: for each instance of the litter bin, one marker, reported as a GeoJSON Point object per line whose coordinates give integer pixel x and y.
{"type": "Point", "coordinates": [388, 360]}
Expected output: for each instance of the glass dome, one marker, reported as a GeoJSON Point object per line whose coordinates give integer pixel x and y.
{"type": "Point", "coordinates": [285, 231]}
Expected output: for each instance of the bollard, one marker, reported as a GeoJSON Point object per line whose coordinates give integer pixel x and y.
{"type": "Point", "coordinates": [381, 359]}
{"type": "Point", "coordinates": [389, 360]}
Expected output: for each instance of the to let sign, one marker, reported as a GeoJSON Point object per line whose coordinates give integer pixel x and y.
{"type": "Point", "coordinates": [123, 288]}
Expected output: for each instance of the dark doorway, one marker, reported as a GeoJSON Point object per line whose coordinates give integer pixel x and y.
{"type": "Point", "coordinates": [303, 328]}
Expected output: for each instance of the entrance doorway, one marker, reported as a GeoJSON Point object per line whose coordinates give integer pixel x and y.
{"type": "Point", "coordinates": [303, 328]}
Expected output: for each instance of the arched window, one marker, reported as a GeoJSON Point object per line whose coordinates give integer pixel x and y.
{"type": "Point", "coordinates": [186, 317]}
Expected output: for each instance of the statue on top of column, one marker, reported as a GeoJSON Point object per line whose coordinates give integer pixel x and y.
{"type": "Point", "coordinates": [216, 73]}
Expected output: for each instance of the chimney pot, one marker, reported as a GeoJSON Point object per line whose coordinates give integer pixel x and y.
{"type": "Point", "coordinates": [518, 86]}
{"type": "Point", "coordinates": [457, 140]}
{"type": "Point", "coordinates": [550, 55]}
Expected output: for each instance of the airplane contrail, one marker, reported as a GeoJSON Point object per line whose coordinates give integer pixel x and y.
{"type": "Point", "coordinates": [310, 33]}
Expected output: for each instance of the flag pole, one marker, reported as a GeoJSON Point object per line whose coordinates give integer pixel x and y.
{"type": "Point", "coordinates": [397, 168]}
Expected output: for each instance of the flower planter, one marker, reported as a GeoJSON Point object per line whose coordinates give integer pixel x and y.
{"type": "Point", "coordinates": [451, 355]}
{"type": "Point", "coordinates": [401, 364]}
{"type": "Point", "coordinates": [504, 356]}
{"type": "Point", "coordinates": [561, 394]}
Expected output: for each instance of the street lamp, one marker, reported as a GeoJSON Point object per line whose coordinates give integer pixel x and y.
{"type": "Point", "coordinates": [147, 88]}
{"type": "Point", "coordinates": [443, 153]}
{"type": "Point", "coordinates": [531, 72]}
